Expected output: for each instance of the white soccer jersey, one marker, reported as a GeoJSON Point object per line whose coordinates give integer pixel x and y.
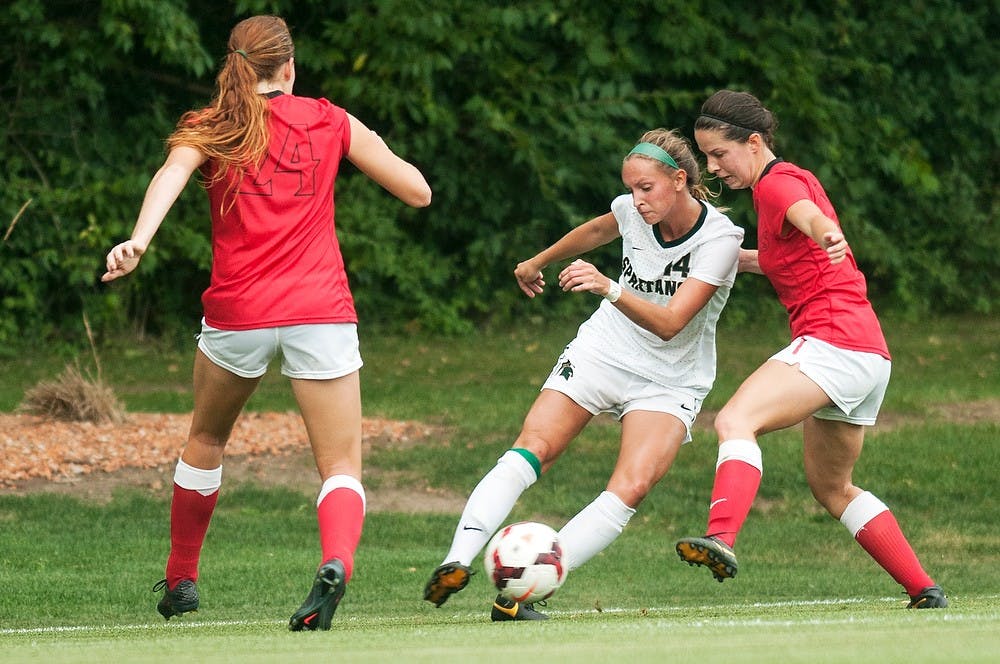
{"type": "Point", "coordinates": [653, 270]}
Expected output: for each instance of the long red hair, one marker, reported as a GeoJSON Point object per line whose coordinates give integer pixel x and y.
{"type": "Point", "coordinates": [232, 130]}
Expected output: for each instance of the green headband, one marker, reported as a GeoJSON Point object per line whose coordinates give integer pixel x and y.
{"type": "Point", "coordinates": [656, 152]}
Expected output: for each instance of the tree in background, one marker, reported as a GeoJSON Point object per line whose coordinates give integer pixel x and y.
{"type": "Point", "coordinates": [515, 111]}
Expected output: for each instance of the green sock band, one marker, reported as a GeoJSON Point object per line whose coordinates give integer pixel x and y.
{"type": "Point", "coordinates": [532, 460]}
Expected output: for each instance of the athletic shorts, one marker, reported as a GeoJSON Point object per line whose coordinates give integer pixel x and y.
{"type": "Point", "coordinates": [315, 352]}
{"type": "Point", "coordinates": [855, 381]}
{"type": "Point", "coordinates": [600, 387]}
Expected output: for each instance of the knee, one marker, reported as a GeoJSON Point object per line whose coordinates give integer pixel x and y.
{"type": "Point", "coordinates": [630, 490]}
{"type": "Point", "coordinates": [833, 496]}
{"type": "Point", "coordinates": [203, 451]}
{"type": "Point", "coordinates": [542, 448]}
{"type": "Point", "coordinates": [819, 492]}
{"type": "Point", "coordinates": [726, 422]}
{"type": "Point", "coordinates": [208, 439]}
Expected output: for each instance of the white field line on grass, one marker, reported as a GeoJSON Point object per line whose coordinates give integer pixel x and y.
{"type": "Point", "coordinates": [177, 624]}
{"type": "Point", "coordinates": [750, 621]}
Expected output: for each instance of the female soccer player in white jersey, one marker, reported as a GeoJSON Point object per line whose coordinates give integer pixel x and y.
{"type": "Point", "coordinates": [646, 355]}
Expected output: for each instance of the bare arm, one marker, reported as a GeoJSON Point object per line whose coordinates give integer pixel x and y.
{"type": "Point", "coordinates": [166, 185]}
{"type": "Point", "coordinates": [589, 235]}
{"type": "Point", "coordinates": [748, 262]}
{"type": "Point", "coordinates": [663, 321]}
{"type": "Point", "coordinates": [374, 158]}
{"type": "Point", "coordinates": [808, 218]}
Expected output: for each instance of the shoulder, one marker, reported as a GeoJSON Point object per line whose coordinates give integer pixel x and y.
{"type": "Point", "coordinates": [312, 105]}
{"type": "Point", "coordinates": [716, 217]}
{"type": "Point", "coordinates": [622, 204]}
{"type": "Point", "coordinates": [781, 185]}
{"type": "Point", "coordinates": [784, 174]}
{"type": "Point", "coordinates": [623, 209]}
{"type": "Point", "coordinates": [326, 105]}
{"type": "Point", "coordinates": [717, 225]}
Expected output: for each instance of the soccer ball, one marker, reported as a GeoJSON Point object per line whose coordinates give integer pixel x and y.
{"type": "Point", "coordinates": [524, 561]}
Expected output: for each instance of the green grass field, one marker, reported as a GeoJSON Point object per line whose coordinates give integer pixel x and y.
{"type": "Point", "coordinates": [75, 577]}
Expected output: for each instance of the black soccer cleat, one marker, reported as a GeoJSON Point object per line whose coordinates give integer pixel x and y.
{"type": "Point", "coordinates": [710, 552]}
{"type": "Point", "coordinates": [183, 598]}
{"type": "Point", "coordinates": [931, 597]}
{"type": "Point", "coordinates": [508, 609]}
{"type": "Point", "coordinates": [321, 603]}
{"type": "Point", "coordinates": [445, 581]}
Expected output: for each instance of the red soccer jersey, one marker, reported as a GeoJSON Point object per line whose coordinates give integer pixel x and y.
{"type": "Point", "coordinates": [276, 259]}
{"type": "Point", "coordinates": [828, 302]}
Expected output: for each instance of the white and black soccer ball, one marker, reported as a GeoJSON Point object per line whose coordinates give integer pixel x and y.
{"type": "Point", "coordinates": [525, 561]}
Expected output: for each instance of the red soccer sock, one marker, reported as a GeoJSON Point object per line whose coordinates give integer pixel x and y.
{"type": "Point", "coordinates": [190, 514]}
{"type": "Point", "coordinates": [735, 487]}
{"type": "Point", "coordinates": [882, 538]}
{"type": "Point", "coordinates": [341, 515]}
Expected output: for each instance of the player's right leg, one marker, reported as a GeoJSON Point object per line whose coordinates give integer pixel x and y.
{"type": "Point", "coordinates": [505, 609]}
{"type": "Point", "coordinates": [777, 395]}
{"type": "Point", "coordinates": [180, 599]}
{"type": "Point", "coordinates": [331, 410]}
{"type": "Point", "coordinates": [322, 363]}
{"type": "Point", "coordinates": [316, 612]}
{"type": "Point", "coordinates": [553, 421]}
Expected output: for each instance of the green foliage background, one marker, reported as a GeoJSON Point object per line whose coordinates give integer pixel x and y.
{"type": "Point", "coordinates": [518, 113]}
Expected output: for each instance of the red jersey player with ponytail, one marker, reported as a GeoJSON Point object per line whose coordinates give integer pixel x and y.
{"type": "Point", "coordinates": [269, 160]}
{"type": "Point", "coordinates": [832, 377]}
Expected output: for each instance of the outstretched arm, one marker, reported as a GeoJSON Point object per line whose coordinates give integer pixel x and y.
{"type": "Point", "coordinates": [166, 185]}
{"type": "Point", "coordinates": [589, 235]}
{"type": "Point", "coordinates": [808, 218]}
{"type": "Point", "coordinates": [374, 158]}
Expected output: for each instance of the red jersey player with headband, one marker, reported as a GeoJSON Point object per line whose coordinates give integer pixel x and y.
{"type": "Point", "coordinates": [269, 160]}
{"type": "Point", "coordinates": [831, 378]}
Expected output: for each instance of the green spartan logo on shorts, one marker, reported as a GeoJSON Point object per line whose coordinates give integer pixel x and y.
{"type": "Point", "coordinates": [566, 369]}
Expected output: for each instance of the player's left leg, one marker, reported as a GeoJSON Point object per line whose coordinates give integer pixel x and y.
{"type": "Point", "coordinates": [219, 396]}
{"type": "Point", "coordinates": [331, 410]}
{"type": "Point", "coordinates": [650, 442]}
{"type": "Point", "coordinates": [831, 448]}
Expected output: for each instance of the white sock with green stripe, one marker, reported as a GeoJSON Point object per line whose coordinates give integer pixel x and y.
{"type": "Point", "coordinates": [593, 529]}
{"type": "Point", "coordinates": [490, 503]}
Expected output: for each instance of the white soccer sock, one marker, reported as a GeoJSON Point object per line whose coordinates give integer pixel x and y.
{"type": "Point", "coordinates": [862, 509]}
{"type": "Point", "coordinates": [205, 482]}
{"type": "Point", "coordinates": [593, 529]}
{"type": "Point", "coordinates": [342, 482]}
{"type": "Point", "coordinates": [490, 503]}
{"type": "Point", "coordinates": [737, 449]}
